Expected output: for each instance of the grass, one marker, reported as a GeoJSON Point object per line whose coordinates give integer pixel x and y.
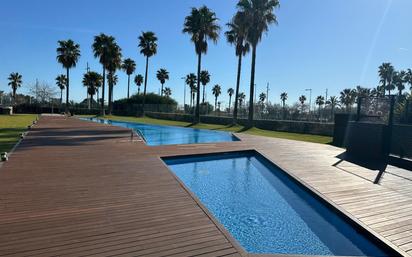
{"type": "Point", "coordinates": [238, 129]}
{"type": "Point", "coordinates": [11, 126]}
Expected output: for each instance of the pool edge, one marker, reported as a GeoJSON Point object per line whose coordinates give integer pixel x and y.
{"type": "Point", "coordinates": [336, 208]}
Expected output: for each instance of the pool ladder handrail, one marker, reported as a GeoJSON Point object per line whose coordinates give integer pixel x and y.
{"type": "Point", "coordinates": [140, 134]}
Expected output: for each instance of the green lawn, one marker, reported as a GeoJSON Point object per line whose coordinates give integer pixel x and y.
{"type": "Point", "coordinates": [10, 128]}
{"type": "Point", "coordinates": [240, 129]}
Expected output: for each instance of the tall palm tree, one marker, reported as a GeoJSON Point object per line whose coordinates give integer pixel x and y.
{"type": "Point", "coordinates": [101, 48]}
{"type": "Point", "coordinates": [386, 72]}
{"type": "Point", "coordinates": [191, 82]}
{"type": "Point", "coordinates": [138, 80]}
{"type": "Point", "coordinates": [113, 63]}
{"type": "Point", "coordinates": [216, 90]}
{"type": "Point", "coordinates": [262, 97]}
{"type": "Point", "coordinates": [162, 75]}
{"type": "Point", "coordinates": [236, 36]}
{"type": "Point", "coordinates": [92, 80]}
{"type": "Point", "coordinates": [148, 47]}
{"type": "Point", "coordinates": [202, 26]}
{"type": "Point", "coordinates": [283, 98]}
{"type": "Point", "coordinates": [302, 100]}
{"type": "Point", "coordinates": [68, 54]}
{"type": "Point", "coordinates": [320, 100]}
{"type": "Point", "coordinates": [258, 15]}
{"type": "Point", "coordinates": [129, 66]}
{"type": "Point", "coordinates": [399, 80]}
{"type": "Point", "coordinates": [61, 83]}
{"type": "Point", "coordinates": [347, 98]}
{"type": "Point", "coordinates": [15, 81]}
{"type": "Point", "coordinates": [204, 79]}
{"type": "Point", "coordinates": [230, 92]}
{"type": "Point", "coordinates": [167, 92]}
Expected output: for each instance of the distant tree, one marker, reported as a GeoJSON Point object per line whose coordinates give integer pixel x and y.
{"type": "Point", "coordinates": [241, 99]}
{"type": "Point", "coordinates": [258, 14]}
{"type": "Point", "coordinates": [302, 100]}
{"type": "Point", "coordinates": [230, 92]}
{"type": "Point", "coordinates": [386, 72]}
{"type": "Point", "coordinates": [204, 80]}
{"type": "Point", "coordinates": [236, 36]}
{"type": "Point", "coordinates": [320, 100]}
{"type": "Point", "coordinates": [92, 81]}
{"type": "Point", "coordinates": [61, 84]}
{"type": "Point", "coordinates": [167, 92]}
{"type": "Point", "coordinates": [332, 102]}
{"type": "Point", "coordinates": [202, 26]}
{"type": "Point", "coordinates": [114, 63]}
{"type": "Point", "coordinates": [68, 54]}
{"type": "Point", "coordinates": [15, 81]}
{"type": "Point", "coordinates": [262, 98]}
{"type": "Point", "coordinates": [347, 98]}
{"type": "Point", "coordinates": [148, 47]}
{"type": "Point", "coordinates": [162, 75]}
{"type": "Point", "coordinates": [191, 82]}
{"type": "Point", "coordinates": [42, 92]}
{"type": "Point", "coordinates": [216, 90]}
{"type": "Point", "coordinates": [129, 66]}
{"type": "Point", "coordinates": [283, 98]}
{"type": "Point", "coordinates": [361, 92]}
{"type": "Point", "coordinates": [138, 80]}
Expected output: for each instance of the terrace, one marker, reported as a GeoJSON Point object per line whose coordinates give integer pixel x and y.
{"type": "Point", "coordinates": [73, 190]}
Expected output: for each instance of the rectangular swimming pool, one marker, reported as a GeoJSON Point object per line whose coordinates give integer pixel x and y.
{"type": "Point", "coordinates": [170, 135]}
{"type": "Point", "coordinates": [267, 210]}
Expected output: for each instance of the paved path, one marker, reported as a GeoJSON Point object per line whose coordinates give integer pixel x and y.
{"type": "Point", "coordinates": [75, 188]}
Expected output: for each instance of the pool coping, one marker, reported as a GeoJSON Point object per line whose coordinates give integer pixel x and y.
{"type": "Point", "coordinates": [336, 208]}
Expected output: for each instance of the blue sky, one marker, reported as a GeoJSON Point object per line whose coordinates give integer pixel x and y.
{"type": "Point", "coordinates": [318, 44]}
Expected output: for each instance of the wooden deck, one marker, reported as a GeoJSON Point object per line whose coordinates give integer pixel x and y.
{"type": "Point", "coordinates": [75, 188]}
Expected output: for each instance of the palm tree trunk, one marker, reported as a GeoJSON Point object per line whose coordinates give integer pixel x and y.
{"type": "Point", "coordinates": [197, 109]}
{"type": "Point", "coordinates": [145, 84]}
{"type": "Point", "coordinates": [61, 97]}
{"type": "Point", "coordinates": [91, 96]}
{"type": "Point", "coordinates": [203, 98]}
{"type": "Point", "coordinates": [88, 101]}
{"type": "Point", "coordinates": [161, 90]}
{"type": "Point", "coordinates": [128, 86]}
{"type": "Point", "coordinates": [252, 87]}
{"type": "Point", "coordinates": [230, 100]}
{"type": "Point", "coordinates": [103, 86]}
{"type": "Point", "coordinates": [239, 69]}
{"type": "Point", "coordinates": [215, 103]}
{"type": "Point", "coordinates": [67, 91]}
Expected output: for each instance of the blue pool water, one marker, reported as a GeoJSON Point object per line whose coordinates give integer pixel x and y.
{"type": "Point", "coordinates": [169, 135]}
{"type": "Point", "coordinates": [266, 210]}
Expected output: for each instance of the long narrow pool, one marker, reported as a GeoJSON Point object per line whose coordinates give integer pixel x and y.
{"type": "Point", "coordinates": [170, 135]}
{"type": "Point", "coordinates": [267, 211]}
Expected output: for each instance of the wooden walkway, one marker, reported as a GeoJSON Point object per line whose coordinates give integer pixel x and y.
{"type": "Point", "coordinates": [75, 188]}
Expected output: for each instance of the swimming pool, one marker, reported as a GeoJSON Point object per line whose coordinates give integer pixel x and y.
{"type": "Point", "coordinates": [170, 135]}
{"type": "Point", "coordinates": [267, 211]}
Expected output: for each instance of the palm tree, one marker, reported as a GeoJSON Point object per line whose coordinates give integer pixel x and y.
{"type": "Point", "coordinates": [216, 90]}
{"type": "Point", "coordinates": [241, 99]}
{"type": "Point", "coordinates": [204, 79]}
{"type": "Point", "coordinates": [399, 80]}
{"type": "Point", "coordinates": [61, 83]}
{"type": "Point", "coordinates": [167, 92]}
{"type": "Point", "coordinates": [138, 80]}
{"type": "Point", "coordinates": [162, 75]}
{"type": "Point", "coordinates": [129, 66]}
{"type": "Point", "coordinates": [191, 82]}
{"type": "Point", "coordinates": [320, 100]}
{"type": "Point", "coordinates": [15, 81]}
{"type": "Point", "coordinates": [333, 102]}
{"type": "Point", "coordinates": [236, 35]}
{"type": "Point", "coordinates": [283, 98]}
{"type": "Point", "coordinates": [113, 63]}
{"type": "Point", "coordinates": [92, 80]}
{"type": "Point", "coordinates": [408, 78]}
{"type": "Point", "coordinates": [386, 72]}
{"type": "Point", "coordinates": [101, 47]}
{"type": "Point", "coordinates": [230, 92]}
{"type": "Point", "coordinates": [347, 97]}
{"type": "Point", "coordinates": [262, 97]}
{"type": "Point", "coordinates": [258, 14]}
{"type": "Point", "coordinates": [202, 26]}
{"type": "Point", "coordinates": [302, 100]}
{"type": "Point", "coordinates": [148, 47]}
{"type": "Point", "coordinates": [68, 53]}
